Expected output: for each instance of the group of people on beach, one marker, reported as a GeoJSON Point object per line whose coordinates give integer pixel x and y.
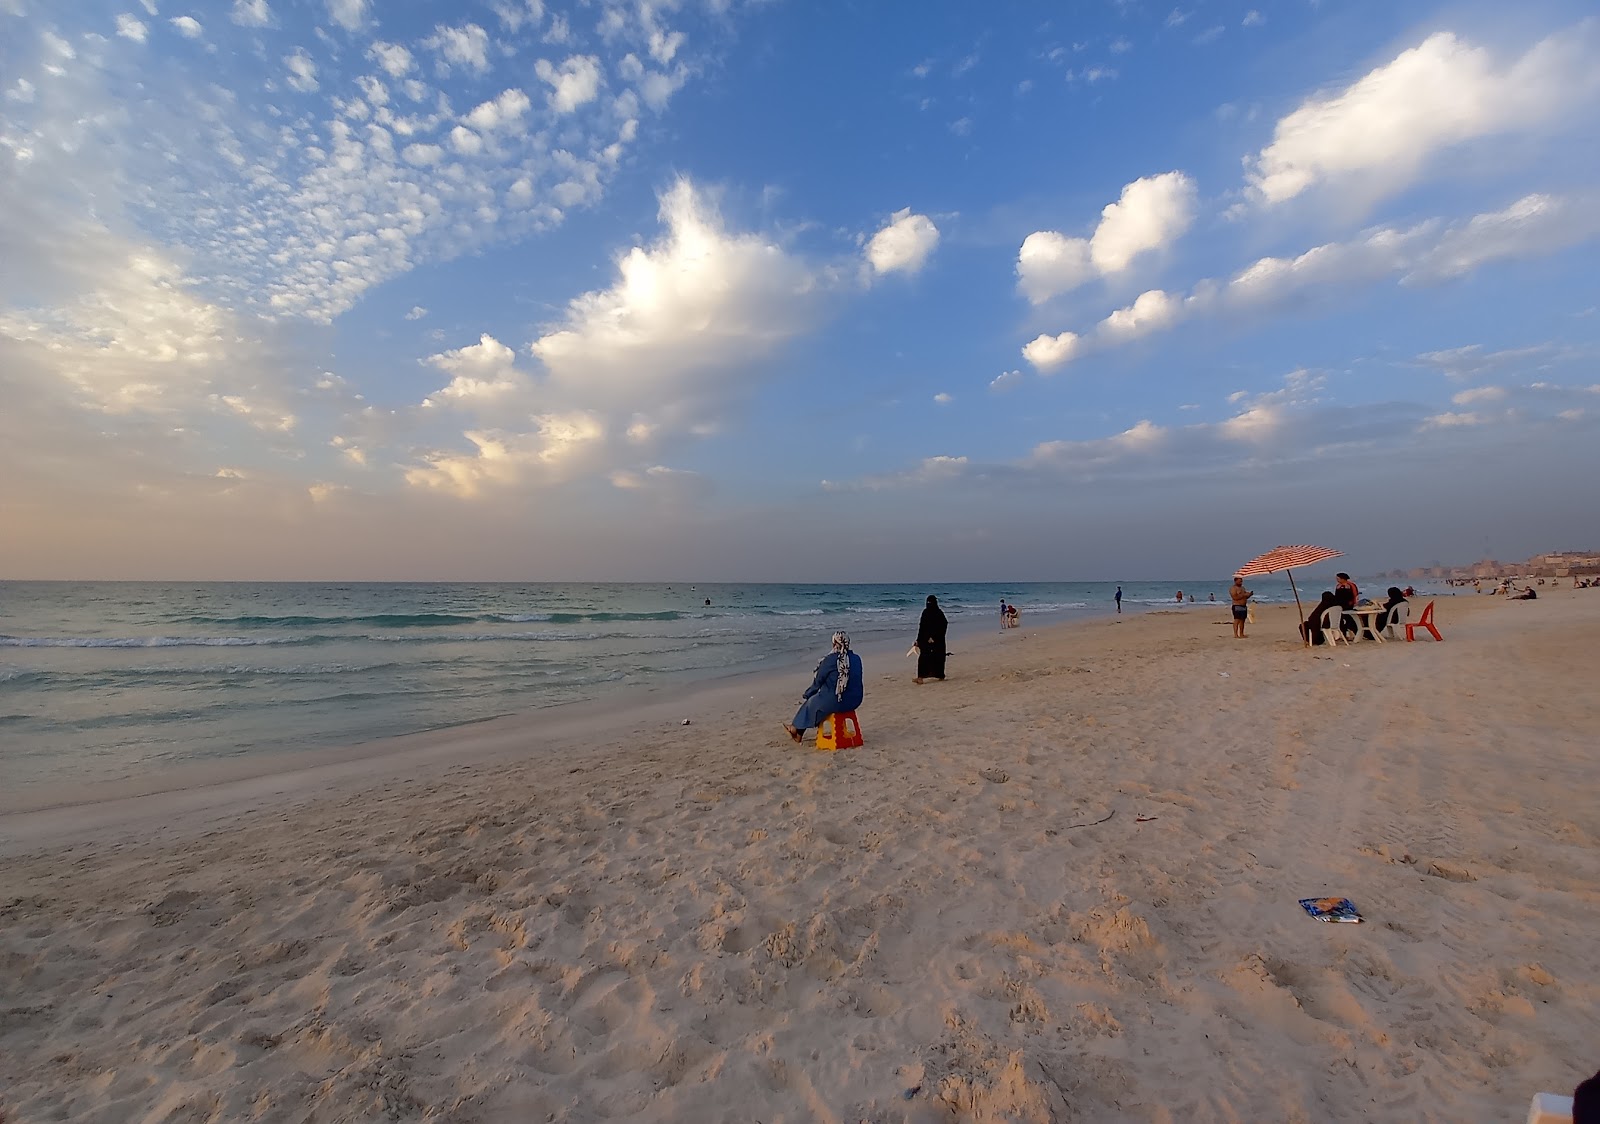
{"type": "Point", "coordinates": [1344, 596]}
{"type": "Point", "coordinates": [838, 687]}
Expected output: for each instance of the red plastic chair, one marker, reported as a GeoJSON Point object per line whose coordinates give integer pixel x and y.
{"type": "Point", "coordinates": [1425, 621]}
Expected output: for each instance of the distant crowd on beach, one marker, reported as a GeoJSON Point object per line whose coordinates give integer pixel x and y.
{"type": "Point", "coordinates": [837, 687]}
{"type": "Point", "coordinates": [1504, 586]}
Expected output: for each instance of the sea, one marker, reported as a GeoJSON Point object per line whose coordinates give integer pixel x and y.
{"type": "Point", "coordinates": [110, 681]}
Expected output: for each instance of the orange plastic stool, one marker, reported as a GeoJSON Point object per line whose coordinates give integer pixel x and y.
{"type": "Point", "coordinates": [1426, 622]}
{"type": "Point", "coordinates": [840, 731]}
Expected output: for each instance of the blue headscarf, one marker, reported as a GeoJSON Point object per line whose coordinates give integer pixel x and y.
{"type": "Point", "coordinates": [841, 644]}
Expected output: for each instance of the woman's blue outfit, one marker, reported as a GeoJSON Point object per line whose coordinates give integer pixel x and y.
{"type": "Point", "coordinates": [823, 697]}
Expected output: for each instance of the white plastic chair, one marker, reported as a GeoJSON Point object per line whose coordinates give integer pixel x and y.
{"type": "Point", "coordinates": [1550, 1108]}
{"type": "Point", "coordinates": [1330, 626]}
{"type": "Point", "coordinates": [1398, 616]}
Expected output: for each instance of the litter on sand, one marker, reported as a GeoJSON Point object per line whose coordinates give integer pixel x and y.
{"type": "Point", "coordinates": [1331, 909]}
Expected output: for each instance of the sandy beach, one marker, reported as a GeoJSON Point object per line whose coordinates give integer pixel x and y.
{"type": "Point", "coordinates": [1061, 886]}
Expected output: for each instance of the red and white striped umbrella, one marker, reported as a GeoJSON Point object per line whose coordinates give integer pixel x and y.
{"type": "Point", "coordinates": [1285, 558]}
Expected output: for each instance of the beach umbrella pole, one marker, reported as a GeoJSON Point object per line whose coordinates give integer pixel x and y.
{"type": "Point", "coordinates": [1297, 606]}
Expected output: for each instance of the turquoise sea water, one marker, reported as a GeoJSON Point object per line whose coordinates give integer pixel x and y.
{"type": "Point", "coordinates": [105, 681]}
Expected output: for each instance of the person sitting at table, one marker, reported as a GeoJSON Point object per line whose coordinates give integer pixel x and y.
{"type": "Point", "coordinates": [1396, 597]}
{"type": "Point", "coordinates": [1311, 627]}
{"type": "Point", "coordinates": [1346, 593]}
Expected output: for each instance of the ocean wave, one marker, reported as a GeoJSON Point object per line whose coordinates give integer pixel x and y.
{"type": "Point", "coordinates": [155, 641]}
{"type": "Point", "coordinates": [375, 620]}
{"type": "Point", "coordinates": [520, 618]}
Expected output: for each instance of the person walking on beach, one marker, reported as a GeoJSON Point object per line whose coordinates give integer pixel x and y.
{"type": "Point", "coordinates": [1118, 600]}
{"type": "Point", "coordinates": [1241, 607]}
{"type": "Point", "coordinates": [930, 642]}
{"type": "Point", "coordinates": [837, 688]}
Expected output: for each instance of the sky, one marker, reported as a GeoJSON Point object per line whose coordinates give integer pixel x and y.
{"type": "Point", "coordinates": [528, 290]}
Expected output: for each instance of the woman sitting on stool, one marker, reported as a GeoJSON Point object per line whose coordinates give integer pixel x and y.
{"type": "Point", "coordinates": [837, 687]}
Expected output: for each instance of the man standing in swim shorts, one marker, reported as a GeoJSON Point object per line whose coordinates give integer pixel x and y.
{"type": "Point", "coordinates": [1241, 606]}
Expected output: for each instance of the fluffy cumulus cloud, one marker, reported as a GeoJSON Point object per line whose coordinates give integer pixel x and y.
{"type": "Point", "coordinates": [904, 245]}
{"type": "Point", "coordinates": [348, 14]}
{"type": "Point", "coordinates": [500, 112]}
{"type": "Point", "coordinates": [1376, 135]}
{"type": "Point", "coordinates": [661, 354]}
{"type": "Point", "coordinates": [302, 72]}
{"type": "Point", "coordinates": [395, 60]}
{"type": "Point", "coordinates": [131, 27]}
{"type": "Point", "coordinates": [187, 26]}
{"type": "Point", "coordinates": [467, 46]}
{"type": "Point", "coordinates": [1047, 353]}
{"type": "Point", "coordinates": [1151, 214]}
{"type": "Point", "coordinates": [576, 82]}
{"type": "Point", "coordinates": [252, 13]}
{"type": "Point", "coordinates": [1426, 253]}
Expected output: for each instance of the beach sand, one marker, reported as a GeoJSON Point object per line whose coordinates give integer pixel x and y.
{"type": "Point", "coordinates": [1060, 886]}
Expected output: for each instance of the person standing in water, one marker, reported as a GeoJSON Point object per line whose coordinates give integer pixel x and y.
{"type": "Point", "coordinates": [1118, 600]}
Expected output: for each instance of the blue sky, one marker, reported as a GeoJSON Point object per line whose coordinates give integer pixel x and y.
{"type": "Point", "coordinates": [729, 290]}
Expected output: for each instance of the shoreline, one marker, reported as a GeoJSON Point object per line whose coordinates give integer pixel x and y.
{"type": "Point", "coordinates": [1059, 886]}
{"type": "Point", "coordinates": [620, 702]}
{"type": "Point", "coordinates": [40, 814]}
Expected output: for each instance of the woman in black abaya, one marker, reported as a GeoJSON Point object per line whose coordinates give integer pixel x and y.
{"type": "Point", "coordinates": [930, 642]}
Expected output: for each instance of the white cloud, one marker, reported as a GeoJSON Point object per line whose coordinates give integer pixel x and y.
{"type": "Point", "coordinates": [483, 372]}
{"type": "Point", "coordinates": [131, 27]}
{"type": "Point", "coordinates": [187, 26]}
{"type": "Point", "coordinates": [514, 13]}
{"type": "Point", "coordinates": [903, 246]}
{"type": "Point", "coordinates": [661, 354]}
{"type": "Point", "coordinates": [1152, 213]}
{"type": "Point", "coordinates": [1049, 352]}
{"type": "Point", "coordinates": [465, 141]}
{"type": "Point", "coordinates": [395, 59]}
{"type": "Point", "coordinates": [467, 45]}
{"type": "Point", "coordinates": [1253, 18]}
{"type": "Point", "coordinates": [1447, 420]}
{"type": "Point", "coordinates": [1376, 135]}
{"type": "Point", "coordinates": [574, 83]}
{"type": "Point", "coordinates": [302, 71]}
{"type": "Point", "coordinates": [500, 112]}
{"type": "Point", "coordinates": [1472, 361]}
{"type": "Point", "coordinates": [1432, 251]}
{"type": "Point", "coordinates": [1151, 311]}
{"type": "Point", "coordinates": [251, 13]}
{"type": "Point", "coordinates": [348, 14]}
{"type": "Point", "coordinates": [943, 399]}
{"type": "Point", "coordinates": [422, 155]}
{"type": "Point", "coordinates": [1006, 380]}
{"type": "Point", "coordinates": [417, 312]}
{"type": "Point", "coordinates": [1050, 263]}
{"type": "Point", "coordinates": [1479, 394]}
{"type": "Point", "coordinates": [1533, 226]}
